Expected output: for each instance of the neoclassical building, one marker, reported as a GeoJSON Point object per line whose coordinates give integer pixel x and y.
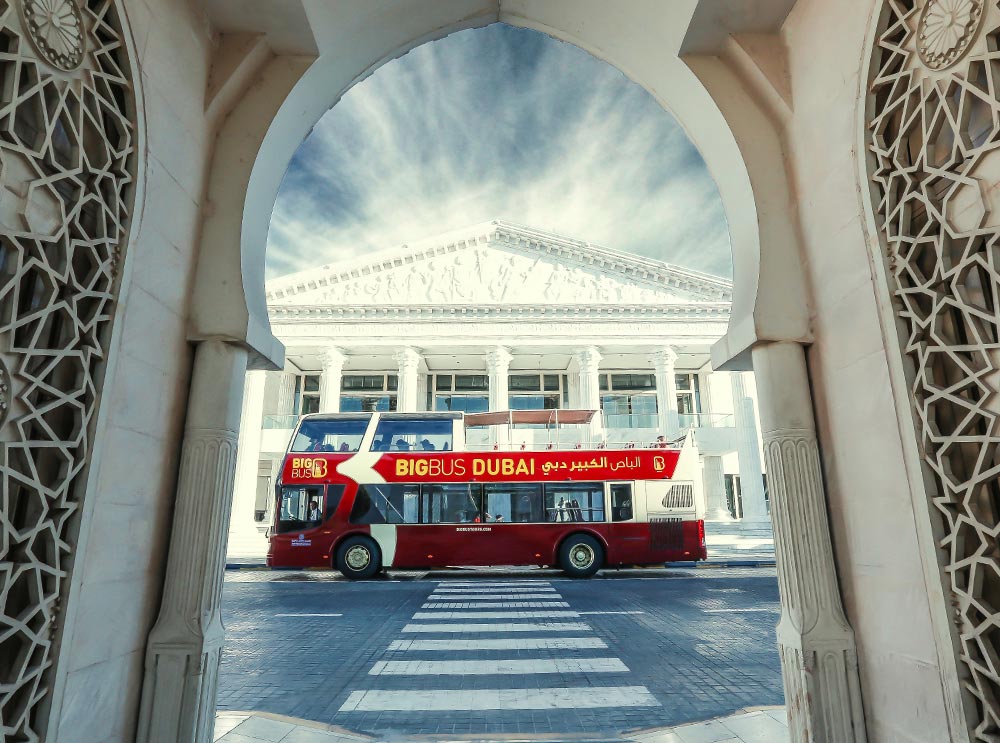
{"type": "Point", "coordinates": [503, 317]}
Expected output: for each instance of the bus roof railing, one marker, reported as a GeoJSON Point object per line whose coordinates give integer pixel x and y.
{"type": "Point", "coordinates": [552, 416]}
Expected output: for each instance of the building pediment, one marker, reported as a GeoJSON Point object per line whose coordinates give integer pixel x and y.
{"type": "Point", "coordinates": [498, 264]}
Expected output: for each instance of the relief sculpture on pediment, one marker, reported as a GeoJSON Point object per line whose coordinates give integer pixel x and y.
{"type": "Point", "coordinates": [484, 275]}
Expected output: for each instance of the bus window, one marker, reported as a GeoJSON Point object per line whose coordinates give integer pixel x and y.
{"type": "Point", "coordinates": [621, 501]}
{"type": "Point", "coordinates": [574, 501]}
{"type": "Point", "coordinates": [386, 504]}
{"type": "Point", "coordinates": [302, 507]}
{"type": "Point", "coordinates": [330, 435]}
{"type": "Point", "coordinates": [513, 502]}
{"type": "Point", "coordinates": [333, 495]}
{"type": "Point", "coordinates": [451, 503]}
{"type": "Point", "coordinates": [406, 434]}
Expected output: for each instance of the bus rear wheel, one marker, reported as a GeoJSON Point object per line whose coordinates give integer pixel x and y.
{"type": "Point", "coordinates": [358, 558]}
{"type": "Point", "coordinates": [580, 556]}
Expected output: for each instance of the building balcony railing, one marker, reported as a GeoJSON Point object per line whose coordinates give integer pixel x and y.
{"type": "Point", "coordinates": [631, 420]}
{"type": "Point", "coordinates": [611, 420]}
{"type": "Point", "coordinates": [283, 422]}
{"type": "Point", "coordinates": [706, 420]}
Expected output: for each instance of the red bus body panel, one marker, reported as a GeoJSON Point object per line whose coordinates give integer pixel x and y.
{"type": "Point", "coordinates": [491, 543]}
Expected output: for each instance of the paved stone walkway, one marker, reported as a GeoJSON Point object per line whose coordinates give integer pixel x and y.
{"type": "Point", "coordinates": [766, 725]}
{"type": "Point", "coordinates": [465, 653]}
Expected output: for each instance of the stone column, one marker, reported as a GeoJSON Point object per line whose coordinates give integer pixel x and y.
{"type": "Point", "coordinates": [498, 364]}
{"type": "Point", "coordinates": [406, 395]}
{"type": "Point", "coordinates": [751, 474]}
{"type": "Point", "coordinates": [286, 393]}
{"type": "Point", "coordinates": [184, 647]}
{"type": "Point", "coordinates": [666, 391]}
{"type": "Point", "coordinates": [244, 537]}
{"type": "Point", "coordinates": [716, 508]}
{"type": "Point", "coordinates": [331, 371]}
{"type": "Point", "coordinates": [588, 364]}
{"type": "Point", "coordinates": [819, 661]}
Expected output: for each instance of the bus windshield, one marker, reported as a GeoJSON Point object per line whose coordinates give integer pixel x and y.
{"type": "Point", "coordinates": [330, 435]}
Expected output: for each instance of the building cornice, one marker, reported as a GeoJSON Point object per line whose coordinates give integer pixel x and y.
{"type": "Point", "coordinates": [523, 239]}
{"type": "Point", "coordinates": [706, 312]}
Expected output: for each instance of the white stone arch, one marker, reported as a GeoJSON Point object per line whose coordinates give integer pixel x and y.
{"type": "Point", "coordinates": [267, 104]}
{"type": "Point", "coordinates": [289, 96]}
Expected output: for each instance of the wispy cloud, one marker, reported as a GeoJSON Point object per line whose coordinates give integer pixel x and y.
{"type": "Point", "coordinates": [497, 123]}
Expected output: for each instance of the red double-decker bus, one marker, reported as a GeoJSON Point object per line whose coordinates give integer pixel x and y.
{"type": "Point", "coordinates": [367, 491]}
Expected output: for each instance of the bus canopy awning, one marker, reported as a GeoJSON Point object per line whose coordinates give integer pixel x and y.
{"type": "Point", "coordinates": [514, 417]}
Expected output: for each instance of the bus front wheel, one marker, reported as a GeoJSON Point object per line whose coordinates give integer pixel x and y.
{"type": "Point", "coordinates": [580, 556]}
{"type": "Point", "coordinates": [358, 558]}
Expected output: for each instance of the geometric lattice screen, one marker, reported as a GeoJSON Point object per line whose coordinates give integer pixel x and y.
{"type": "Point", "coordinates": [933, 118]}
{"type": "Point", "coordinates": [67, 163]}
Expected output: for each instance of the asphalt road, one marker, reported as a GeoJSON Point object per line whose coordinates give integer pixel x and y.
{"type": "Point", "coordinates": [525, 652]}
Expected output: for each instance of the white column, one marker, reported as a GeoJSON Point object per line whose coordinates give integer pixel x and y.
{"type": "Point", "coordinates": [331, 371]}
{"type": "Point", "coordinates": [185, 645]}
{"type": "Point", "coordinates": [406, 397]}
{"type": "Point", "coordinates": [588, 363]}
{"type": "Point", "coordinates": [666, 391]}
{"type": "Point", "coordinates": [751, 473]}
{"type": "Point", "coordinates": [498, 365]}
{"type": "Point", "coordinates": [819, 662]}
{"type": "Point", "coordinates": [715, 489]}
{"type": "Point", "coordinates": [286, 393]}
{"type": "Point", "coordinates": [244, 536]}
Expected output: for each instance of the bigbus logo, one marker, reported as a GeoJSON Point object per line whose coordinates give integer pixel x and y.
{"type": "Point", "coordinates": [308, 467]}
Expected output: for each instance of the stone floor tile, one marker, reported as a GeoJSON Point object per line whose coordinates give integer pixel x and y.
{"type": "Point", "coordinates": [237, 738]}
{"type": "Point", "coordinates": [263, 728]}
{"type": "Point", "coordinates": [312, 735]}
{"type": "Point", "coordinates": [704, 732]}
{"type": "Point", "coordinates": [226, 721]}
{"type": "Point", "coordinates": [758, 728]}
{"type": "Point", "coordinates": [778, 714]}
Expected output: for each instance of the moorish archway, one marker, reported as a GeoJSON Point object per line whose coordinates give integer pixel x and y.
{"type": "Point", "coordinates": [931, 120]}
{"type": "Point", "coordinates": [70, 135]}
{"type": "Point", "coordinates": [255, 145]}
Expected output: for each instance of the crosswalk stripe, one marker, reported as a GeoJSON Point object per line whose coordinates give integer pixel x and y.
{"type": "Point", "coordinates": [589, 697]}
{"type": "Point", "coordinates": [513, 643]}
{"type": "Point", "coordinates": [487, 596]}
{"type": "Point", "coordinates": [512, 589]}
{"type": "Point", "coordinates": [526, 627]}
{"type": "Point", "coordinates": [488, 584]}
{"type": "Point", "coordinates": [493, 614]}
{"type": "Point", "coordinates": [496, 605]}
{"type": "Point", "coordinates": [481, 667]}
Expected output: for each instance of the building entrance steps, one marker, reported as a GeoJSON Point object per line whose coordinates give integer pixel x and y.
{"type": "Point", "coordinates": [731, 542]}
{"type": "Point", "coordinates": [751, 726]}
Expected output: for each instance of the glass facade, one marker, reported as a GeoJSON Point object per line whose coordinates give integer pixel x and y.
{"type": "Point", "coordinates": [628, 400]}
{"type": "Point", "coordinates": [368, 392]}
{"type": "Point", "coordinates": [464, 393]}
{"type": "Point", "coordinates": [537, 391]}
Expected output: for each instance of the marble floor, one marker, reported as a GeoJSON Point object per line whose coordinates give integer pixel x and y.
{"type": "Point", "coordinates": [763, 725]}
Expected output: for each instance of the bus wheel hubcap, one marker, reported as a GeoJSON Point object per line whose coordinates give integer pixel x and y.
{"type": "Point", "coordinates": [358, 557]}
{"type": "Point", "coordinates": [581, 556]}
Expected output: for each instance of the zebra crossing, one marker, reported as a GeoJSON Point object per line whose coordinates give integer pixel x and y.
{"type": "Point", "coordinates": [491, 632]}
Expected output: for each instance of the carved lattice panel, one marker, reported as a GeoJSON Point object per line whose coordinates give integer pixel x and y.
{"type": "Point", "coordinates": [933, 117]}
{"type": "Point", "coordinates": [67, 165]}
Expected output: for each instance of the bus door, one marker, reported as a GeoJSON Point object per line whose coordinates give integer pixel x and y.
{"type": "Point", "coordinates": [628, 537]}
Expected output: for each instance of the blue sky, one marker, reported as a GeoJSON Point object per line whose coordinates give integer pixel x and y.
{"type": "Point", "coordinates": [497, 123]}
